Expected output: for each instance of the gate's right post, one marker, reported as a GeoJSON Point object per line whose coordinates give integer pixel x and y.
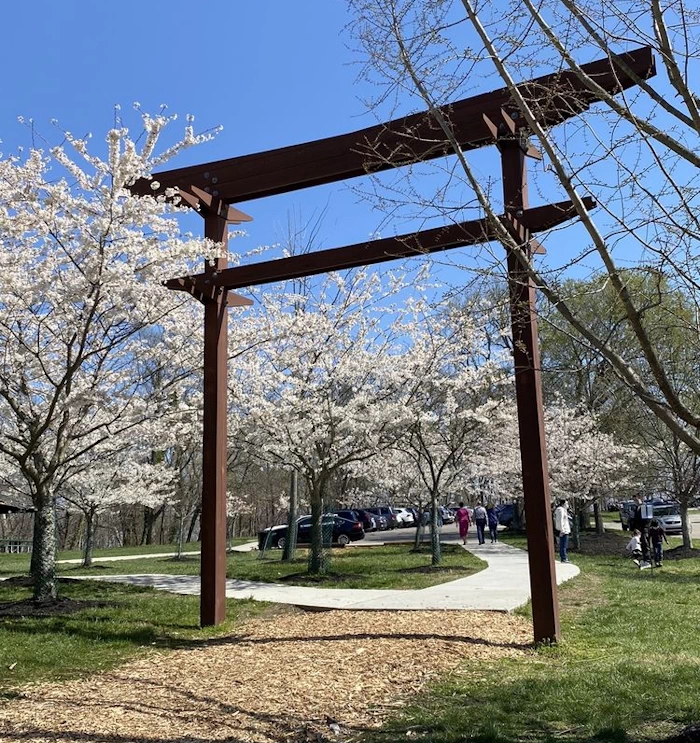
{"type": "Point", "coordinates": [528, 390]}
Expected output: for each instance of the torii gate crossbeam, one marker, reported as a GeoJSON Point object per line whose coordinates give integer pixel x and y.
{"type": "Point", "coordinates": [212, 187]}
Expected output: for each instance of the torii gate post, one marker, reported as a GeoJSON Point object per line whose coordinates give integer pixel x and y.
{"type": "Point", "coordinates": [216, 300]}
{"type": "Point", "coordinates": [215, 437]}
{"type": "Point", "coordinates": [528, 392]}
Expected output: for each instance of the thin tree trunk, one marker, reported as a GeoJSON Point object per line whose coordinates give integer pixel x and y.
{"type": "Point", "coordinates": [685, 527]}
{"type": "Point", "coordinates": [435, 547]}
{"type": "Point", "coordinates": [44, 557]}
{"type": "Point", "coordinates": [89, 538]}
{"type": "Point", "coordinates": [291, 544]}
{"type": "Point", "coordinates": [599, 525]}
{"type": "Point", "coordinates": [193, 523]}
{"type": "Point", "coordinates": [576, 532]}
{"type": "Point", "coordinates": [319, 563]}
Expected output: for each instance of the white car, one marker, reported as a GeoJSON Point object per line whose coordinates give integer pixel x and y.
{"type": "Point", "coordinates": [404, 517]}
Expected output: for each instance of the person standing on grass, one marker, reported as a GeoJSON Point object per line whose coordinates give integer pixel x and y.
{"type": "Point", "coordinates": [463, 522]}
{"type": "Point", "coordinates": [640, 521]}
{"type": "Point", "coordinates": [563, 528]}
{"type": "Point", "coordinates": [492, 519]}
{"type": "Point", "coordinates": [480, 518]}
{"type": "Point", "coordinates": [657, 534]}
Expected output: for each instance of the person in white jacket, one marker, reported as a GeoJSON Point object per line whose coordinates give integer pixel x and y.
{"type": "Point", "coordinates": [563, 528]}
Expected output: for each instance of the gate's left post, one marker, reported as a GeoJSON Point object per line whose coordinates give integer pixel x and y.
{"type": "Point", "coordinates": [214, 440]}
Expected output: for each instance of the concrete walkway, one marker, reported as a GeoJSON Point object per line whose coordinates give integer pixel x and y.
{"type": "Point", "coordinates": [247, 547]}
{"type": "Point", "coordinates": [503, 585]}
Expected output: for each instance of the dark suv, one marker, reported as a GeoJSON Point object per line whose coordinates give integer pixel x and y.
{"type": "Point", "coordinates": [366, 518]}
{"type": "Point", "coordinates": [388, 514]}
{"type": "Point", "coordinates": [344, 531]}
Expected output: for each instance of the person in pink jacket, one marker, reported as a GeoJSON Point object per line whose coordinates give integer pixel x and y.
{"type": "Point", "coordinates": [463, 522]}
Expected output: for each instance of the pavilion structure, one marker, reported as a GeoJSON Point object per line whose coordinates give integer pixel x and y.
{"type": "Point", "coordinates": [490, 118]}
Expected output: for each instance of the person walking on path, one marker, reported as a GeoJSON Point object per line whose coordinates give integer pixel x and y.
{"type": "Point", "coordinates": [563, 528]}
{"type": "Point", "coordinates": [480, 518]}
{"type": "Point", "coordinates": [463, 522]}
{"type": "Point", "coordinates": [492, 519]}
{"type": "Point", "coordinates": [641, 521]}
{"type": "Point", "coordinates": [657, 534]}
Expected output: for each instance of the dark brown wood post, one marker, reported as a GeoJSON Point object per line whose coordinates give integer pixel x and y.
{"type": "Point", "coordinates": [528, 390]}
{"type": "Point", "coordinates": [213, 566]}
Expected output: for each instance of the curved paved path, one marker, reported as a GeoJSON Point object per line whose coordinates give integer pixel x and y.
{"type": "Point", "coordinates": [503, 585]}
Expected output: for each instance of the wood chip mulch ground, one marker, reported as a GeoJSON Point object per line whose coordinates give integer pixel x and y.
{"type": "Point", "coordinates": [284, 678]}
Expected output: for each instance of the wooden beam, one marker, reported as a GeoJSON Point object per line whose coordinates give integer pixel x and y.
{"type": "Point", "coordinates": [555, 98]}
{"type": "Point", "coordinates": [521, 223]}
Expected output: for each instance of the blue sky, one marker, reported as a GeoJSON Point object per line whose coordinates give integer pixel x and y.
{"type": "Point", "coordinates": [272, 72]}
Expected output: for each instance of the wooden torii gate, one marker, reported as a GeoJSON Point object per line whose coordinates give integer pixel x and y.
{"type": "Point", "coordinates": [490, 118]}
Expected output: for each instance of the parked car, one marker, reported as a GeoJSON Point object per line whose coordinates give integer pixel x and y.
{"type": "Point", "coordinates": [505, 513]}
{"type": "Point", "coordinates": [447, 516]}
{"type": "Point", "coordinates": [343, 532]}
{"type": "Point", "coordinates": [387, 512]}
{"type": "Point", "coordinates": [405, 516]}
{"type": "Point", "coordinates": [368, 520]}
{"type": "Point", "coordinates": [669, 516]}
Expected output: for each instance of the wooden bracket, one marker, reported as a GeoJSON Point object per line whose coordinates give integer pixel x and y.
{"type": "Point", "coordinates": [205, 202]}
{"type": "Point", "coordinates": [205, 291]}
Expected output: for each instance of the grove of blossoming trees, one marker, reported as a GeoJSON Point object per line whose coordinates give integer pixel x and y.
{"type": "Point", "coordinates": [81, 263]}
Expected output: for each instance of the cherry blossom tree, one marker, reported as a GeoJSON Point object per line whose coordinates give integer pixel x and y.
{"type": "Point", "coordinates": [81, 266]}
{"type": "Point", "coordinates": [585, 463]}
{"type": "Point", "coordinates": [455, 393]}
{"type": "Point", "coordinates": [315, 396]}
{"type": "Point", "coordinates": [124, 477]}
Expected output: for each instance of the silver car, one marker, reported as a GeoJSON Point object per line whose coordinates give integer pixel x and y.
{"type": "Point", "coordinates": [669, 517]}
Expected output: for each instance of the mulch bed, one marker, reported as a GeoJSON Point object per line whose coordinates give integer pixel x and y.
{"type": "Point", "coordinates": [678, 553]}
{"type": "Point", "coordinates": [285, 678]}
{"type": "Point", "coordinates": [27, 607]}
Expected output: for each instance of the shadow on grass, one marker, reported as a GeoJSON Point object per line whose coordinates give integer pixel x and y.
{"type": "Point", "coordinates": [550, 704]}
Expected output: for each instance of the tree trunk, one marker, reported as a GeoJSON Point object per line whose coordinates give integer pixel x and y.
{"type": "Point", "coordinates": [291, 544]}
{"type": "Point", "coordinates": [150, 516]}
{"type": "Point", "coordinates": [599, 525]}
{"type": "Point", "coordinates": [685, 527]}
{"type": "Point", "coordinates": [319, 562]}
{"type": "Point", "coordinates": [193, 523]}
{"type": "Point", "coordinates": [576, 531]}
{"type": "Point", "coordinates": [89, 538]}
{"type": "Point", "coordinates": [44, 556]}
{"type": "Point", "coordinates": [435, 548]}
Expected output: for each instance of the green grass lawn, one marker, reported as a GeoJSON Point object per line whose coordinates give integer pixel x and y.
{"type": "Point", "coordinates": [126, 621]}
{"type": "Point", "coordinates": [16, 564]}
{"type": "Point", "coordinates": [394, 566]}
{"type": "Point", "coordinates": [628, 666]}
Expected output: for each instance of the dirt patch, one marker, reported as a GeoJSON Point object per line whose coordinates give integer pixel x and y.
{"type": "Point", "coordinates": [282, 679]}
{"type": "Point", "coordinates": [607, 544]}
{"type": "Point", "coordinates": [27, 607]}
{"type": "Point", "coordinates": [679, 553]}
